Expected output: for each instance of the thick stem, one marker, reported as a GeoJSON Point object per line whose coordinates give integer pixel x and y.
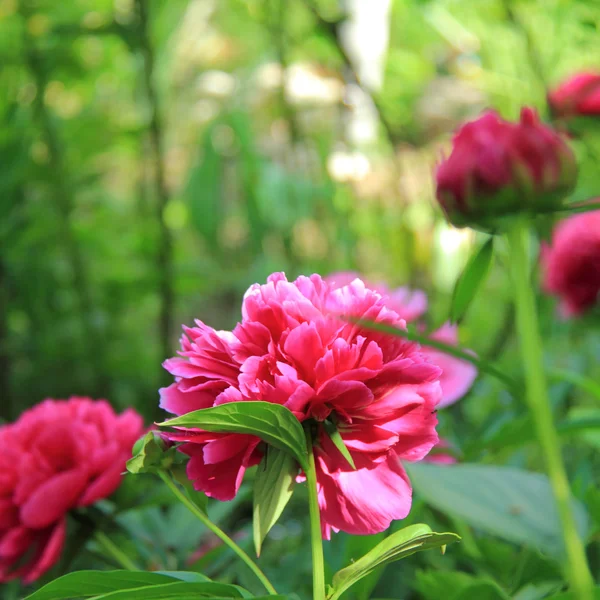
{"type": "Point", "coordinates": [579, 575]}
{"type": "Point", "coordinates": [114, 551]}
{"type": "Point", "coordinates": [316, 537]}
{"type": "Point", "coordinates": [203, 518]}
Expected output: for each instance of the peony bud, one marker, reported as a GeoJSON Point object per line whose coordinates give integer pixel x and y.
{"type": "Point", "coordinates": [576, 97]}
{"type": "Point", "coordinates": [497, 169]}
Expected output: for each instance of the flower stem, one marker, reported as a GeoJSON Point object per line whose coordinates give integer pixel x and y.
{"type": "Point", "coordinates": [201, 516]}
{"type": "Point", "coordinates": [316, 537]}
{"type": "Point", "coordinates": [114, 551]}
{"type": "Point", "coordinates": [579, 575]}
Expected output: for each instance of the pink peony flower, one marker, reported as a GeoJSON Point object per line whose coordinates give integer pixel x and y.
{"type": "Point", "coordinates": [457, 375]}
{"type": "Point", "coordinates": [579, 95]}
{"type": "Point", "coordinates": [498, 168]}
{"type": "Point", "coordinates": [438, 456]}
{"type": "Point", "coordinates": [571, 263]}
{"type": "Point", "coordinates": [293, 348]}
{"type": "Point", "coordinates": [59, 455]}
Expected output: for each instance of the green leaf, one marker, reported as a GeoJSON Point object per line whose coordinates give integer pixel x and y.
{"type": "Point", "coordinates": [572, 596]}
{"type": "Point", "coordinates": [399, 545]}
{"type": "Point", "coordinates": [150, 454]}
{"type": "Point", "coordinates": [181, 590]}
{"type": "Point", "coordinates": [335, 436]}
{"type": "Point", "coordinates": [83, 584]}
{"type": "Point", "coordinates": [273, 488]}
{"type": "Point", "coordinates": [273, 423]}
{"type": "Point", "coordinates": [515, 505]}
{"type": "Point", "coordinates": [471, 279]}
{"type": "Point", "coordinates": [485, 590]}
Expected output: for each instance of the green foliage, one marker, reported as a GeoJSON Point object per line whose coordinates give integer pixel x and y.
{"type": "Point", "coordinates": [273, 423]}
{"type": "Point", "coordinates": [273, 489]}
{"type": "Point", "coordinates": [513, 504]}
{"type": "Point", "coordinates": [471, 280]}
{"type": "Point", "coordinates": [399, 545]}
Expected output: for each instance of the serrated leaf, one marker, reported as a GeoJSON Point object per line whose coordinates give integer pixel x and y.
{"type": "Point", "coordinates": [273, 423]}
{"type": "Point", "coordinates": [335, 436]}
{"type": "Point", "coordinates": [399, 545]}
{"type": "Point", "coordinates": [471, 279]}
{"type": "Point", "coordinates": [273, 488]}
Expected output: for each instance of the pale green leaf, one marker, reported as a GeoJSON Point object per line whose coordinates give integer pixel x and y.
{"type": "Point", "coordinates": [399, 545]}
{"type": "Point", "coordinates": [273, 488]}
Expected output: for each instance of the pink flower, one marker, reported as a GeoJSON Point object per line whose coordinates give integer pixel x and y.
{"type": "Point", "coordinates": [497, 168]}
{"type": "Point", "coordinates": [457, 375]}
{"type": "Point", "coordinates": [579, 95]}
{"type": "Point", "coordinates": [294, 347]}
{"type": "Point", "coordinates": [571, 263]}
{"type": "Point", "coordinates": [438, 457]}
{"type": "Point", "coordinates": [59, 455]}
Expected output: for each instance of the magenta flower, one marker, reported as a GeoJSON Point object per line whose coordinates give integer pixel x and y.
{"type": "Point", "coordinates": [579, 95]}
{"type": "Point", "coordinates": [59, 455]}
{"type": "Point", "coordinates": [571, 263]}
{"type": "Point", "coordinates": [457, 375]}
{"type": "Point", "coordinates": [295, 347]}
{"type": "Point", "coordinates": [498, 168]}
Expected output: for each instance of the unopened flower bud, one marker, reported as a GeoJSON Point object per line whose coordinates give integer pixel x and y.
{"type": "Point", "coordinates": [497, 169]}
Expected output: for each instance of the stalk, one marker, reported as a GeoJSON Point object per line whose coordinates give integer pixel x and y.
{"type": "Point", "coordinates": [316, 537]}
{"type": "Point", "coordinates": [579, 576]}
{"type": "Point", "coordinates": [114, 551]}
{"type": "Point", "coordinates": [203, 518]}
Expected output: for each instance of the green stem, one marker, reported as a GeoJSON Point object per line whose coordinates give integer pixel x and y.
{"type": "Point", "coordinates": [316, 537]}
{"type": "Point", "coordinates": [114, 551]}
{"type": "Point", "coordinates": [203, 518]}
{"type": "Point", "coordinates": [579, 575]}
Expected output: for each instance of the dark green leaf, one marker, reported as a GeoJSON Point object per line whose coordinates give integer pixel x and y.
{"type": "Point", "coordinates": [273, 423]}
{"type": "Point", "coordinates": [486, 590]}
{"type": "Point", "coordinates": [181, 590]}
{"type": "Point", "coordinates": [513, 504]}
{"type": "Point", "coordinates": [471, 279]}
{"type": "Point", "coordinates": [336, 438]}
{"type": "Point", "coordinates": [84, 584]}
{"type": "Point", "coordinates": [399, 545]}
{"type": "Point", "coordinates": [273, 488]}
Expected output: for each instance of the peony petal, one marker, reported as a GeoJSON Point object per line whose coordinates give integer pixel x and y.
{"type": "Point", "coordinates": [53, 499]}
{"type": "Point", "coordinates": [365, 500]}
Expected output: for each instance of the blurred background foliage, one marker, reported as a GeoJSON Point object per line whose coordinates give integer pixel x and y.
{"type": "Point", "coordinates": [157, 157]}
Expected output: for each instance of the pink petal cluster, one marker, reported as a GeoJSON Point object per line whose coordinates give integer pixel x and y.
{"type": "Point", "coordinates": [411, 305]}
{"type": "Point", "coordinates": [59, 455]}
{"type": "Point", "coordinates": [295, 346]}
{"type": "Point", "coordinates": [579, 95]}
{"type": "Point", "coordinates": [571, 263]}
{"type": "Point", "coordinates": [497, 168]}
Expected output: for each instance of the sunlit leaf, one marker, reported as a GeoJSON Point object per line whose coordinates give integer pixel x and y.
{"type": "Point", "coordinates": [336, 438]}
{"type": "Point", "coordinates": [273, 423]}
{"type": "Point", "coordinates": [401, 544]}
